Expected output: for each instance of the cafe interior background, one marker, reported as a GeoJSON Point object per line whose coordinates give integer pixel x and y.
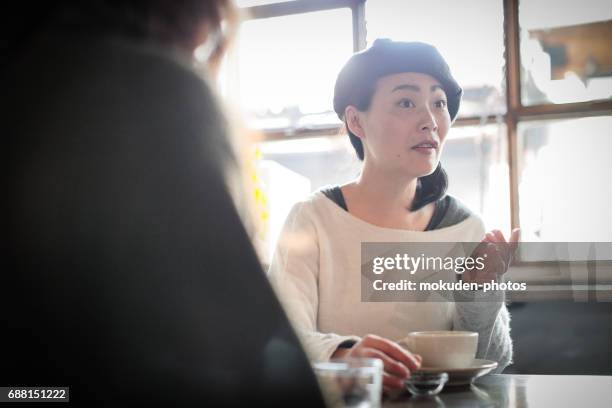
{"type": "Point", "coordinates": [530, 147]}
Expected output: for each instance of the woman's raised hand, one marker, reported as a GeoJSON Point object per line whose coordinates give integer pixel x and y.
{"type": "Point", "coordinates": [498, 253]}
{"type": "Point", "coordinates": [398, 362]}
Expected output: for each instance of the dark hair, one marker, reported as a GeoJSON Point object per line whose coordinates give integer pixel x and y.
{"type": "Point", "coordinates": [169, 22]}
{"type": "Point", "coordinates": [387, 57]}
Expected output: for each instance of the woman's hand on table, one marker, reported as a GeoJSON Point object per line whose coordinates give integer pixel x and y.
{"type": "Point", "coordinates": [498, 253]}
{"type": "Point", "coordinates": [398, 362]}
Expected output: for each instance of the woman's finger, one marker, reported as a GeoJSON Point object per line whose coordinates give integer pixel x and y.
{"type": "Point", "coordinates": [392, 382]}
{"type": "Point", "coordinates": [390, 365]}
{"type": "Point", "coordinates": [499, 236]}
{"type": "Point", "coordinates": [515, 234]}
{"type": "Point", "coordinates": [393, 350]}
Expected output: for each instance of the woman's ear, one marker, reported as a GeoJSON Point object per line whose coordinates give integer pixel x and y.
{"type": "Point", "coordinates": [353, 121]}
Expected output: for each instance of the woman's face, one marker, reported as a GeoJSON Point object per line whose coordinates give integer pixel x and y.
{"type": "Point", "coordinates": [405, 128]}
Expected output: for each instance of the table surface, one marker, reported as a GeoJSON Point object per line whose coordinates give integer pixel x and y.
{"type": "Point", "coordinates": [511, 390]}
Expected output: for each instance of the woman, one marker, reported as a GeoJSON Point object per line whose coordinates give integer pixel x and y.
{"type": "Point", "coordinates": [120, 233]}
{"type": "Point", "coordinates": [397, 101]}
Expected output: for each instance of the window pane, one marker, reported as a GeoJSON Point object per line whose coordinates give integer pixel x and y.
{"type": "Point", "coordinates": [564, 189]}
{"type": "Point", "coordinates": [565, 50]}
{"type": "Point", "coordinates": [475, 159]}
{"type": "Point", "coordinates": [473, 48]}
{"type": "Point", "coordinates": [284, 70]}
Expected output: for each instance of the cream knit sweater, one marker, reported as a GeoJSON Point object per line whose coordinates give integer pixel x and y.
{"type": "Point", "coordinates": [316, 273]}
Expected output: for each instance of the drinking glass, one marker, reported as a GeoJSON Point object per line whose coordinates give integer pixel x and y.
{"type": "Point", "coordinates": [351, 382]}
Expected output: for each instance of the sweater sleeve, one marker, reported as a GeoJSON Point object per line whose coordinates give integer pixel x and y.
{"type": "Point", "coordinates": [491, 320]}
{"type": "Point", "coordinates": [294, 274]}
{"type": "Point", "coordinates": [488, 317]}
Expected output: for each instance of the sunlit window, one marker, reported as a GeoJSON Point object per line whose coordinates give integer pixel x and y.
{"type": "Point", "coordinates": [283, 70]}
{"type": "Point", "coordinates": [476, 160]}
{"type": "Point", "coordinates": [565, 50]}
{"type": "Point", "coordinates": [564, 188]}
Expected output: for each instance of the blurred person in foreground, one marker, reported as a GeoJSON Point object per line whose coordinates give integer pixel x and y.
{"type": "Point", "coordinates": [128, 275]}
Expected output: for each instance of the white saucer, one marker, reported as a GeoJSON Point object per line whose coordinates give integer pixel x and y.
{"type": "Point", "coordinates": [465, 375]}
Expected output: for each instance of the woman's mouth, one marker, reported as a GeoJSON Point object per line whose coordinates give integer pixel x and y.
{"type": "Point", "coordinates": [427, 148]}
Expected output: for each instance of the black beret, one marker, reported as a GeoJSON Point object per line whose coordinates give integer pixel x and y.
{"type": "Point", "coordinates": [386, 57]}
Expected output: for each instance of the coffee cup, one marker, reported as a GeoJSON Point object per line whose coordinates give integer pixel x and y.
{"type": "Point", "coordinates": [445, 349]}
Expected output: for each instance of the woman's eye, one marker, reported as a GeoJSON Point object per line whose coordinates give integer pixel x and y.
{"type": "Point", "coordinates": [406, 103]}
{"type": "Point", "coordinates": [440, 104]}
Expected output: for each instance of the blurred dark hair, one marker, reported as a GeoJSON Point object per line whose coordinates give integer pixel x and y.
{"type": "Point", "coordinates": [174, 22]}
{"type": "Point", "coordinates": [177, 23]}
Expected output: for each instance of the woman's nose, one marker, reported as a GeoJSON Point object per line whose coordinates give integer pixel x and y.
{"type": "Point", "coordinates": [428, 122]}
